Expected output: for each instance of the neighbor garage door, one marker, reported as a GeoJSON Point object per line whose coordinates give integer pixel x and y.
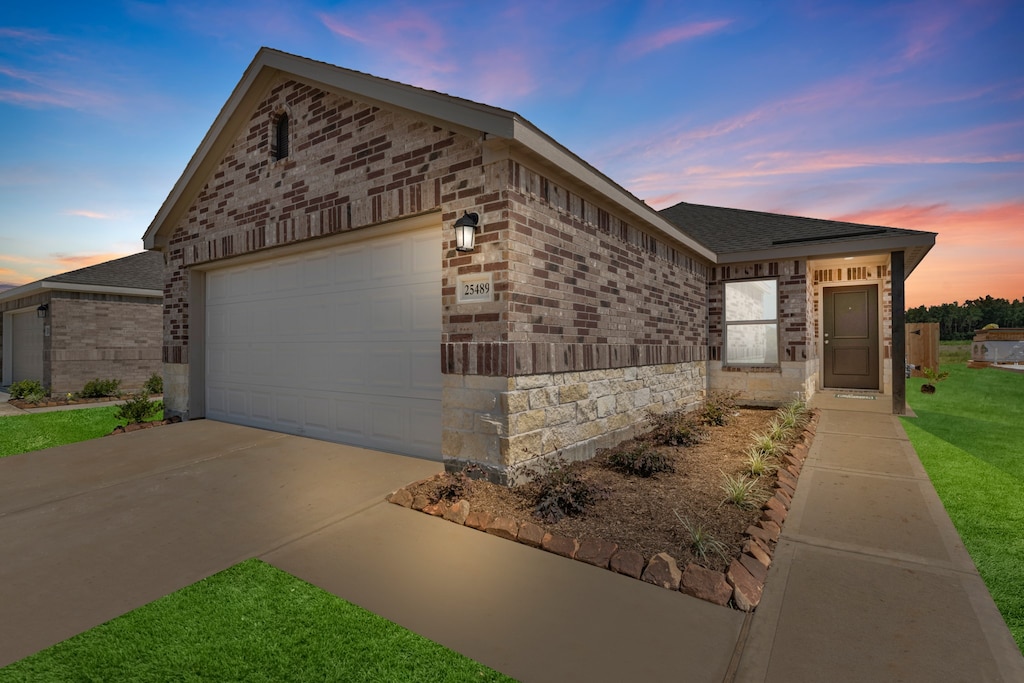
{"type": "Point", "coordinates": [26, 346]}
{"type": "Point", "coordinates": [341, 343]}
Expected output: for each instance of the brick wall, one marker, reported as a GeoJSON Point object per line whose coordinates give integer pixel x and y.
{"type": "Point", "coordinates": [796, 375]}
{"type": "Point", "coordinates": [578, 288]}
{"type": "Point", "coordinates": [101, 336]}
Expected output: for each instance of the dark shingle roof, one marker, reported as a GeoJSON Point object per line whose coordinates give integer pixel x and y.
{"type": "Point", "coordinates": [144, 270]}
{"type": "Point", "coordinates": [727, 231]}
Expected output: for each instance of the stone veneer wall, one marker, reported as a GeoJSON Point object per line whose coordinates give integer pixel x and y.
{"type": "Point", "coordinates": [796, 376]}
{"type": "Point", "coordinates": [516, 421]}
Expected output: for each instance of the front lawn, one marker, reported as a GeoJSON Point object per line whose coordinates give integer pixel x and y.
{"type": "Point", "coordinates": [35, 431]}
{"type": "Point", "coordinates": [251, 622]}
{"type": "Point", "coordinates": [970, 438]}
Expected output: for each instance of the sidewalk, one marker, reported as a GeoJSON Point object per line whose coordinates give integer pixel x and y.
{"type": "Point", "coordinates": [870, 581]}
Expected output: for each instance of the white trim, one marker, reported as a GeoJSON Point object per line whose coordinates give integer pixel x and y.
{"type": "Point", "coordinates": [41, 286]}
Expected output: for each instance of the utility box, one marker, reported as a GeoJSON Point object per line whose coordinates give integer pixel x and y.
{"type": "Point", "coordinates": [922, 347]}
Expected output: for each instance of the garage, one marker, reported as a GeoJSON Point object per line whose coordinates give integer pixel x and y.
{"type": "Point", "coordinates": [340, 343]}
{"type": "Point", "coordinates": [26, 346]}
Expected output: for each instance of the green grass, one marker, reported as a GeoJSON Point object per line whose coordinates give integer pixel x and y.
{"type": "Point", "coordinates": [35, 431]}
{"type": "Point", "coordinates": [251, 622]}
{"type": "Point", "coordinates": [970, 438]}
{"type": "Point", "coordinates": [954, 351]}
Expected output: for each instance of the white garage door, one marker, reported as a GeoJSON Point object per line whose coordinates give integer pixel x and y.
{"type": "Point", "coordinates": [341, 344]}
{"type": "Point", "coordinates": [26, 346]}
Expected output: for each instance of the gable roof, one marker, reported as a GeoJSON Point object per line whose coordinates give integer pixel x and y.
{"type": "Point", "coordinates": [140, 274]}
{"type": "Point", "coordinates": [483, 121]}
{"type": "Point", "coordinates": [737, 235]}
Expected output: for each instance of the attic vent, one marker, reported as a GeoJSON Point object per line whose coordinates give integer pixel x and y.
{"type": "Point", "coordinates": [281, 137]}
{"type": "Point", "coordinates": [862, 233]}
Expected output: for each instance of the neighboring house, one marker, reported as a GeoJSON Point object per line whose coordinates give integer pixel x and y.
{"type": "Point", "coordinates": [103, 322]}
{"type": "Point", "coordinates": [314, 285]}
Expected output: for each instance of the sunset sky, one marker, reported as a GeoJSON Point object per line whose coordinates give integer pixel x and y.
{"type": "Point", "coordinates": [905, 114]}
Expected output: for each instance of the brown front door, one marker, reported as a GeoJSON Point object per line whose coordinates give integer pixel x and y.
{"type": "Point", "coordinates": [851, 337]}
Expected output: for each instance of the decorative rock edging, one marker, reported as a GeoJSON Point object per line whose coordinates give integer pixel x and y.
{"type": "Point", "coordinates": [56, 402]}
{"type": "Point", "coordinates": [741, 584]}
{"type": "Point", "coordinates": [138, 426]}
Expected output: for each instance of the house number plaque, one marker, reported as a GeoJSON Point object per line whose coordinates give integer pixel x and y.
{"type": "Point", "coordinates": [474, 288]}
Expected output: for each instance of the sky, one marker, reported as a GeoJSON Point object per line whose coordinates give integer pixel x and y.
{"type": "Point", "coordinates": [905, 114]}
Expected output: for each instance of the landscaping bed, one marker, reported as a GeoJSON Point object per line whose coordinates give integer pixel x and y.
{"type": "Point", "coordinates": [674, 528]}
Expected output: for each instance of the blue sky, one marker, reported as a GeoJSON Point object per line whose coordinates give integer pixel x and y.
{"type": "Point", "coordinates": [903, 114]}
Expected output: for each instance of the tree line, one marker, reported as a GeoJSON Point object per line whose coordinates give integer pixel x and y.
{"type": "Point", "coordinates": [960, 321]}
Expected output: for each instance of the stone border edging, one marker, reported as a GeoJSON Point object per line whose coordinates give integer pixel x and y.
{"type": "Point", "coordinates": [57, 402]}
{"type": "Point", "coordinates": [137, 426]}
{"type": "Point", "coordinates": [742, 583]}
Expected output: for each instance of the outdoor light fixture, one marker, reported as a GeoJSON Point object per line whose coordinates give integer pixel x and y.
{"type": "Point", "coordinates": [465, 231]}
{"type": "Point", "coordinates": [41, 311]}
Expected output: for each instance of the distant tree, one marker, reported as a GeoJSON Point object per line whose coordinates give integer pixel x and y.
{"type": "Point", "coordinates": [960, 321]}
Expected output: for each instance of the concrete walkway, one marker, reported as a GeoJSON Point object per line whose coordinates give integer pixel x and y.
{"type": "Point", "coordinates": [870, 582]}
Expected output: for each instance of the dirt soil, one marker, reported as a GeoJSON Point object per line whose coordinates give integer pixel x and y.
{"type": "Point", "coordinates": [638, 513]}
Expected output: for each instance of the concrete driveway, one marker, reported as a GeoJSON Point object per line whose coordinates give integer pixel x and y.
{"type": "Point", "coordinates": [92, 530]}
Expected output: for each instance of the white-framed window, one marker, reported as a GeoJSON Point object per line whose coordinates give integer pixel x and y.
{"type": "Point", "coordinates": [751, 323]}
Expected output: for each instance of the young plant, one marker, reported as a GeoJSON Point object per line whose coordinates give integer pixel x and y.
{"type": "Point", "coordinates": [758, 463]}
{"type": "Point", "coordinates": [138, 408]}
{"type": "Point", "coordinates": [934, 376]}
{"type": "Point", "coordinates": [767, 444]}
{"type": "Point", "coordinates": [703, 545]}
{"type": "Point", "coordinates": [778, 431]}
{"type": "Point", "coordinates": [641, 460]}
{"type": "Point", "coordinates": [741, 491]}
{"type": "Point", "coordinates": [560, 491]}
{"type": "Point", "coordinates": [674, 429]}
{"type": "Point", "coordinates": [101, 388]}
{"type": "Point", "coordinates": [718, 408]}
{"type": "Point", "coordinates": [154, 385]}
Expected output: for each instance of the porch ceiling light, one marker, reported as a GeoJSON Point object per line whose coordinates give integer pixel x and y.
{"type": "Point", "coordinates": [465, 231]}
{"type": "Point", "coordinates": [41, 311]}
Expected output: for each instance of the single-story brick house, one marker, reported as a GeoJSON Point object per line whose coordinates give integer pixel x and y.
{"type": "Point", "coordinates": [103, 321]}
{"type": "Point", "coordinates": [314, 284]}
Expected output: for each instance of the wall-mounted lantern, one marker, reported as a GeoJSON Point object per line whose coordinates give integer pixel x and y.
{"type": "Point", "coordinates": [465, 231]}
{"type": "Point", "coordinates": [42, 310]}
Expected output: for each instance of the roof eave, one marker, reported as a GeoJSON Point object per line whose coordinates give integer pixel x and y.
{"type": "Point", "coordinates": [42, 286]}
{"type": "Point", "coordinates": [915, 244]}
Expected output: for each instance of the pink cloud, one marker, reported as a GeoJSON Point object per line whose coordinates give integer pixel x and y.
{"type": "Point", "coordinates": [44, 91]}
{"type": "Point", "coordinates": [672, 35]}
{"type": "Point", "coordinates": [25, 35]}
{"type": "Point", "coordinates": [85, 213]}
{"type": "Point", "coordinates": [68, 262]}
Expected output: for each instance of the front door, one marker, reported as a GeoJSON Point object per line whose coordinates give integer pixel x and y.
{"type": "Point", "coordinates": [851, 337]}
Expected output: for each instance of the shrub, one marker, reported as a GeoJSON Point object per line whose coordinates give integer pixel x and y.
{"type": "Point", "coordinates": [137, 408]}
{"type": "Point", "coordinates": [457, 485]}
{"type": "Point", "coordinates": [718, 408]}
{"type": "Point", "coordinates": [779, 431]}
{"type": "Point", "coordinates": [26, 387]}
{"type": "Point", "coordinates": [641, 460]}
{"type": "Point", "coordinates": [741, 491]}
{"type": "Point", "coordinates": [560, 491]}
{"type": "Point", "coordinates": [674, 429]}
{"type": "Point", "coordinates": [154, 385]}
{"type": "Point", "coordinates": [100, 388]}
{"type": "Point", "coordinates": [702, 544]}
{"type": "Point", "coordinates": [766, 443]}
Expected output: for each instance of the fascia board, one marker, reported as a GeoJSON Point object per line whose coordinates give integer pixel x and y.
{"type": "Point", "coordinates": [41, 286]}
{"type": "Point", "coordinates": [570, 164]}
{"type": "Point", "coordinates": [886, 244]}
{"type": "Point", "coordinates": [22, 290]}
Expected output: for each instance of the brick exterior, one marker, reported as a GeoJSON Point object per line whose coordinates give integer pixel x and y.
{"type": "Point", "coordinates": [95, 335]}
{"type": "Point", "coordinates": [578, 288]}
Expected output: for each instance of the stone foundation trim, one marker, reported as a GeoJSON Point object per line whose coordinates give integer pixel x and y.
{"type": "Point", "coordinates": [739, 586]}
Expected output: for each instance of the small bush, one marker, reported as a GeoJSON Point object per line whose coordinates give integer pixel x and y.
{"type": "Point", "coordinates": [458, 485]}
{"type": "Point", "coordinates": [779, 431]}
{"type": "Point", "coordinates": [718, 408]}
{"type": "Point", "coordinates": [641, 460]}
{"type": "Point", "coordinates": [741, 491]}
{"type": "Point", "coordinates": [766, 443]}
{"type": "Point", "coordinates": [138, 408]}
{"type": "Point", "coordinates": [101, 388]}
{"type": "Point", "coordinates": [703, 545]}
{"type": "Point", "coordinates": [560, 491]}
{"type": "Point", "coordinates": [674, 429]}
{"type": "Point", "coordinates": [154, 385]}
{"type": "Point", "coordinates": [26, 387]}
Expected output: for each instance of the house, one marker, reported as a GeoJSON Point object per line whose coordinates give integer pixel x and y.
{"type": "Point", "coordinates": [103, 321]}
{"type": "Point", "coordinates": [314, 284]}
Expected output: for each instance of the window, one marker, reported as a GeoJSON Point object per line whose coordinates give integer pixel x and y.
{"type": "Point", "coordinates": [281, 137]}
{"type": "Point", "coordinates": [751, 323]}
